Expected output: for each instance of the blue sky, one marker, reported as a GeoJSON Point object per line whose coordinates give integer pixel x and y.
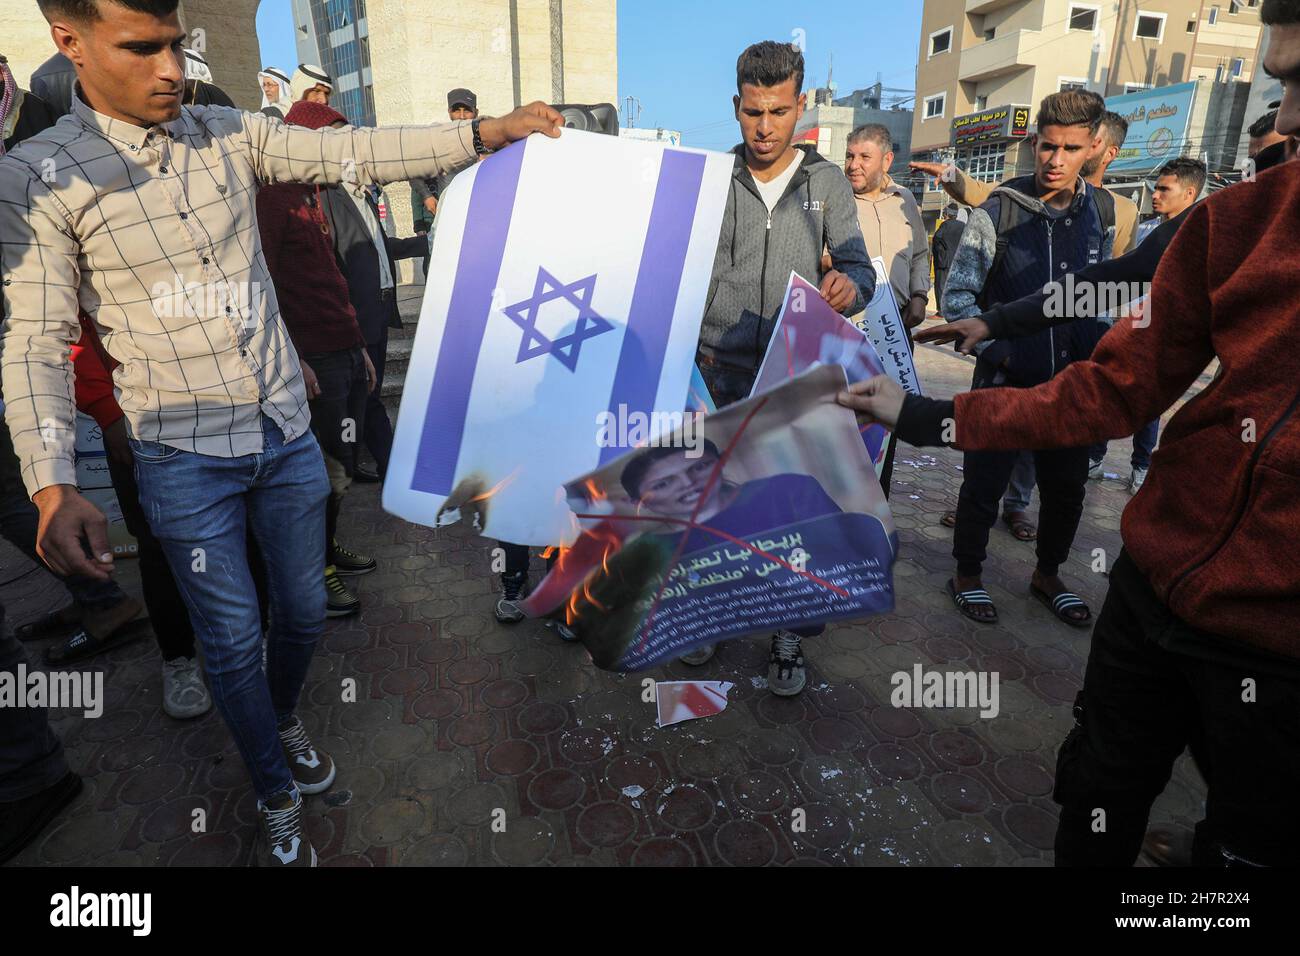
{"type": "Point", "coordinates": [678, 57]}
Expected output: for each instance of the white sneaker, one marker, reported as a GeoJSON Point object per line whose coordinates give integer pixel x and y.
{"type": "Point", "coordinates": [184, 694]}
{"type": "Point", "coordinates": [1096, 469]}
{"type": "Point", "coordinates": [1135, 480]}
{"type": "Point", "coordinates": [785, 671]}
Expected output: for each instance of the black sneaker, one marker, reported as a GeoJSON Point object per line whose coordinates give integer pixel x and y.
{"type": "Point", "coordinates": [313, 770]}
{"type": "Point", "coordinates": [350, 563]}
{"type": "Point", "coordinates": [283, 841]}
{"type": "Point", "coordinates": [339, 601]}
{"type": "Point", "coordinates": [562, 630]}
{"type": "Point", "coordinates": [22, 821]}
{"type": "Point", "coordinates": [513, 589]}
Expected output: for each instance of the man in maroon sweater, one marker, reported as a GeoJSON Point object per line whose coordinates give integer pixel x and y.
{"type": "Point", "coordinates": [1199, 638]}
{"type": "Point", "coordinates": [322, 324]}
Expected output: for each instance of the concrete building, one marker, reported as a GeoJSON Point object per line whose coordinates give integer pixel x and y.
{"type": "Point", "coordinates": [984, 64]}
{"type": "Point", "coordinates": [827, 122]}
{"type": "Point", "coordinates": [509, 52]}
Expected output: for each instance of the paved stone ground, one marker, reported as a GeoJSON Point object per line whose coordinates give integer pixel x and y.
{"type": "Point", "coordinates": [457, 717]}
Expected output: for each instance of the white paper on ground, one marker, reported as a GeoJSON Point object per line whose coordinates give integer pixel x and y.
{"type": "Point", "coordinates": [680, 700]}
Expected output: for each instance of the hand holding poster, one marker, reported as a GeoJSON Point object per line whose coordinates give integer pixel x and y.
{"type": "Point", "coordinates": [881, 321]}
{"type": "Point", "coordinates": [758, 520]}
{"type": "Point", "coordinates": [566, 285]}
{"type": "Point", "coordinates": [809, 333]}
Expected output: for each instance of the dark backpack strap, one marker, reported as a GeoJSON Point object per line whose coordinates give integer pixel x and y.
{"type": "Point", "coordinates": [1005, 218]}
{"type": "Point", "coordinates": [1105, 207]}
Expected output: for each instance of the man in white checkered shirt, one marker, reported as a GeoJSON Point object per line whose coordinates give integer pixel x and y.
{"type": "Point", "coordinates": [141, 212]}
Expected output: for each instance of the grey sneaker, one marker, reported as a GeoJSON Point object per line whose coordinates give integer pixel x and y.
{"type": "Point", "coordinates": [701, 655]}
{"type": "Point", "coordinates": [283, 841]}
{"type": "Point", "coordinates": [1097, 468]}
{"type": "Point", "coordinates": [513, 589]}
{"type": "Point", "coordinates": [1135, 480]}
{"type": "Point", "coordinates": [785, 673]}
{"type": "Point", "coordinates": [312, 769]}
{"type": "Point", "coordinates": [184, 694]}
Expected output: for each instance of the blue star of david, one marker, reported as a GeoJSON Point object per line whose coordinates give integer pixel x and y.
{"type": "Point", "coordinates": [565, 348]}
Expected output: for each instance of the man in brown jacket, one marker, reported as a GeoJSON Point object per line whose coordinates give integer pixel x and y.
{"type": "Point", "coordinates": [892, 229]}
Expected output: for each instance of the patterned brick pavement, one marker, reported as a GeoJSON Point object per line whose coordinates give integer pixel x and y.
{"type": "Point", "coordinates": [458, 719]}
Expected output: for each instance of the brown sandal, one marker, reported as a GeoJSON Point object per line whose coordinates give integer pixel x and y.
{"type": "Point", "coordinates": [1021, 526]}
{"type": "Point", "coordinates": [949, 519]}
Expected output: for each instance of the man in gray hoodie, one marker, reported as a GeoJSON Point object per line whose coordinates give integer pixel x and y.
{"type": "Point", "coordinates": [785, 206]}
{"type": "Point", "coordinates": [786, 203]}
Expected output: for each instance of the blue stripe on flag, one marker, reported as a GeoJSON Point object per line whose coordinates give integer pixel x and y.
{"type": "Point", "coordinates": [654, 300]}
{"type": "Point", "coordinates": [482, 247]}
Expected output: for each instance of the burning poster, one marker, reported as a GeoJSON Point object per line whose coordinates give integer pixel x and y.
{"type": "Point", "coordinates": [761, 516]}
{"type": "Point", "coordinates": [809, 333]}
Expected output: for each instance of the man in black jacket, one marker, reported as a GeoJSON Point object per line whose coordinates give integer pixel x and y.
{"type": "Point", "coordinates": [52, 81]}
{"type": "Point", "coordinates": [358, 235]}
{"type": "Point", "coordinates": [1028, 316]}
{"type": "Point", "coordinates": [943, 247]}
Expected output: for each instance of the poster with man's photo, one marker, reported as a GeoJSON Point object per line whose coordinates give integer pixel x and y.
{"type": "Point", "coordinates": [761, 516]}
{"type": "Point", "coordinates": [808, 333]}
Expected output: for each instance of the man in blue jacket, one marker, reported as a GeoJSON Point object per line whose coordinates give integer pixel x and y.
{"type": "Point", "coordinates": [1031, 231]}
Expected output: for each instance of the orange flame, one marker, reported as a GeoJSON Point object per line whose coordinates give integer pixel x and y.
{"type": "Point", "coordinates": [573, 607]}
{"type": "Point", "coordinates": [496, 489]}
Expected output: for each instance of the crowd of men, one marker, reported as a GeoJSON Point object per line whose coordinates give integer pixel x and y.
{"type": "Point", "coordinates": [227, 419]}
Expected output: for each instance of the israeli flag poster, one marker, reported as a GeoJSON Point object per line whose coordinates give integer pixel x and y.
{"type": "Point", "coordinates": [567, 285]}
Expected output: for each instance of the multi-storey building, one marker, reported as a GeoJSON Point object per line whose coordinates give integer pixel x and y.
{"type": "Point", "coordinates": [336, 35]}
{"type": "Point", "coordinates": [828, 120]}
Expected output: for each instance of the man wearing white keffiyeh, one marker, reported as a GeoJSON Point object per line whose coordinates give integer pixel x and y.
{"type": "Point", "coordinates": [275, 92]}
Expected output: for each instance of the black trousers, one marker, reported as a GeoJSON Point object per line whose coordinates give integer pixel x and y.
{"type": "Point", "coordinates": [379, 427]}
{"type": "Point", "coordinates": [31, 755]}
{"type": "Point", "coordinates": [168, 614]}
{"type": "Point", "coordinates": [338, 417]}
{"type": "Point", "coordinates": [518, 556]}
{"type": "Point", "coordinates": [1062, 478]}
{"type": "Point", "coordinates": [1142, 703]}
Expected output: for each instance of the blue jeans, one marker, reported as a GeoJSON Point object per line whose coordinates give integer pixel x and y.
{"type": "Point", "coordinates": [1021, 486]}
{"type": "Point", "coordinates": [199, 507]}
{"type": "Point", "coordinates": [1144, 443]}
